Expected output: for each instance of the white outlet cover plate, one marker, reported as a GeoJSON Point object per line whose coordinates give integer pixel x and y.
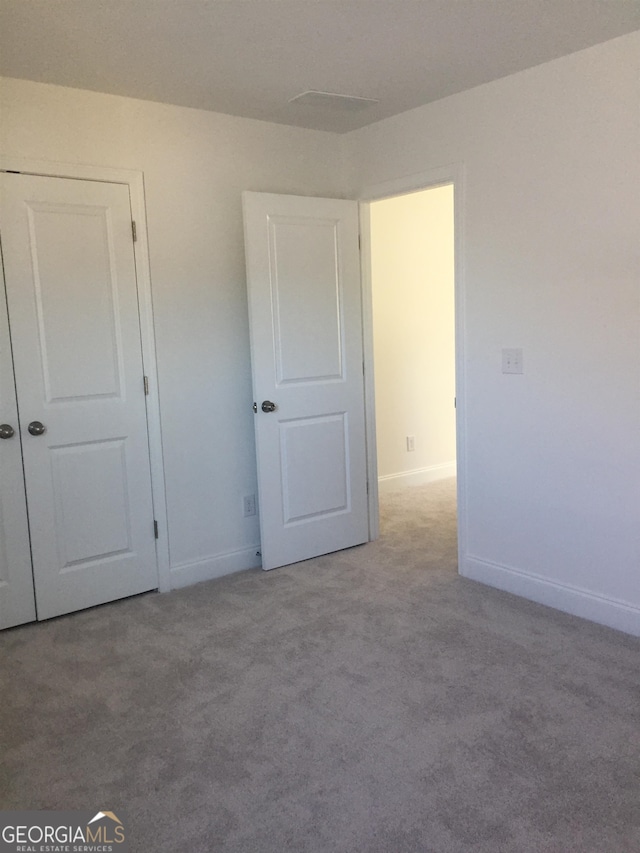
{"type": "Point", "coordinates": [512, 360]}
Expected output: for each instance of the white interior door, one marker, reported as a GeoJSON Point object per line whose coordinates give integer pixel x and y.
{"type": "Point", "coordinates": [303, 271]}
{"type": "Point", "coordinates": [73, 311]}
{"type": "Point", "coordinates": [17, 603]}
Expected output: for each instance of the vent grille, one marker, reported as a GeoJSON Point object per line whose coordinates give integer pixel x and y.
{"type": "Point", "coordinates": [333, 101]}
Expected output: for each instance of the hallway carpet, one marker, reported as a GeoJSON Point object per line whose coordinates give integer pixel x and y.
{"type": "Point", "coordinates": [370, 701]}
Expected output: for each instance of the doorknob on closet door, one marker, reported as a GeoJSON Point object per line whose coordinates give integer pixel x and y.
{"type": "Point", "coordinates": [6, 431]}
{"type": "Point", "coordinates": [268, 406]}
{"type": "Point", "coordinates": [36, 428]}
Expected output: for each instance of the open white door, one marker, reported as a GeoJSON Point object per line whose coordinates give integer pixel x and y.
{"type": "Point", "coordinates": [303, 272]}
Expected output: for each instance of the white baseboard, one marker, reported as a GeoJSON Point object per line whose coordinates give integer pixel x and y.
{"type": "Point", "coordinates": [570, 599]}
{"type": "Point", "coordinates": [417, 477]}
{"type": "Point", "coordinates": [214, 567]}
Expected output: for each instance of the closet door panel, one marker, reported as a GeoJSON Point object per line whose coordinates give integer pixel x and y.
{"type": "Point", "coordinates": [17, 603]}
{"type": "Point", "coordinates": [73, 308]}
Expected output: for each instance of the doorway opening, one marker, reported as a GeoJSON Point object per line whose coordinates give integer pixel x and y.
{"type": "Point", "coordinates": [412, 272]}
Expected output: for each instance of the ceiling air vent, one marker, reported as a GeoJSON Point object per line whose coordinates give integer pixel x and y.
{"type": "Point", "coordinates": [332, 101]}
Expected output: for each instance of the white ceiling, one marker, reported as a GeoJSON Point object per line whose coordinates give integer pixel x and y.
{"type": "Point", "coordinates": [249, 57]}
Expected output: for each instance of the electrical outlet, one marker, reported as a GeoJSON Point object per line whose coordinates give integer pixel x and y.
{"type": "Point", "coordinates": [249, 505]}
{"type": "Point", "coordinates": [411, 443]}
{"type": "Point", "coordinates": [512, 361]}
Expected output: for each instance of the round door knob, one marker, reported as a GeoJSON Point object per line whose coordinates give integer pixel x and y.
{"type": "Point", "coordinates": [6, 431]}
{"type": "Point", "coordinates": [268, 406]}
{"type": "Point", "coordinates": [36, 428]}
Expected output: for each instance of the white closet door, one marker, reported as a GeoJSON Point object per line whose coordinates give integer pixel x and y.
{"type": "Point", "coordinates": [73, 310]}
{"type": "Point", "coordinates": [17, 604]}
{"type": "Point", "coordinates": [303, 270]}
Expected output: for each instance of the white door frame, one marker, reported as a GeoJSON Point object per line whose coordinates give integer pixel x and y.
{"type": "Point", "coordinates": [449, 174]}
{"type": "Point", "coordinates": [134, 180]}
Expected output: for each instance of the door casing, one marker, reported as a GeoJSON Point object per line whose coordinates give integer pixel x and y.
{"type": "Point", "coordinates": [448, 174]}
{"type": "Point", "coordinates": [134, 180]}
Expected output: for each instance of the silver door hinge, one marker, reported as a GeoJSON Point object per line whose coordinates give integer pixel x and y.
{"type": "Point", "coordinates": [455, 402]}
{"type": "Point", "coordinates": [146, 385]}
{"type": "Point", "coordinates": [134, 231]}
{"type": "Point", "coordinates": [359, 241]}
{"type": "Point", "coordinates": [155, 528]}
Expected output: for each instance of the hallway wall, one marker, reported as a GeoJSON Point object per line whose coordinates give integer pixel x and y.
{"type": "Point", "coordinates": [412, 271]}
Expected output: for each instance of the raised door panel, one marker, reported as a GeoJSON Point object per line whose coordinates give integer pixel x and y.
{"type": "Point", "coordinates": [306, 299]}
{"type": "Point", "coordinates": [80, 471]}
{"type": "Point", "coordinates": [74, 244]}
{"type": "Point", "coordinates": [72, 299]}
{"type": "Point", "coordinates": [314, 450]}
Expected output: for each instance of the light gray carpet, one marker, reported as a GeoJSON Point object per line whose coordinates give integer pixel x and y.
{"type": "Point", "coordinates": [366, 702]}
